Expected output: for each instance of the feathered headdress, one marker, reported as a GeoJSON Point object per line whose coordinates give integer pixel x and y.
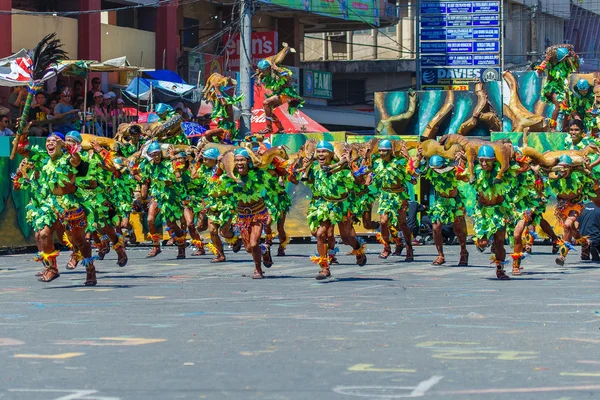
{"type": "Point", "coordinates": [44, 59]}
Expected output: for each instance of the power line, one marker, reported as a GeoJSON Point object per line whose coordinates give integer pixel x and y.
{"type": "Point", "coordinates": [158, 3]}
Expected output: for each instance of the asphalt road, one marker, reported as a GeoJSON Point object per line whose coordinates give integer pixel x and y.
{"type": "Point", "coordinates": [186, 329]}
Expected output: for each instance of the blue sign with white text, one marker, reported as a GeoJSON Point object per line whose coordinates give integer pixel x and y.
{"type": "Point", "coordinates": [460, 41]}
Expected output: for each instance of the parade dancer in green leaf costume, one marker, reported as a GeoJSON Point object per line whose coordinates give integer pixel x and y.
{"type": "Point", "coordinates": [330, 205]}
{"type": "Point", "coordinates": [252, 212]}
{"type": "Point", "coordinates": [168, 129]}
{"type": "Point", "coordinates": [448, 207]}
{"type": "Point", "coordinates": [42, 209]}
{"type": "Point", "coordinates": [581, 101]}
{"type": "Point", "coordinates": [96, 188]}
{"type": "Point", "coordinates": [492, 211]}
{"type": "Point", "coordinates": [59, 171]}
{"type": "Point", "coordinates": [573, 187]}
{"type": "Point", "coordinates": [216, 207]}
{"type": "Point", "coordinates": [391, 176]}
{"type": "Point", "coordinates": [278, 80]}
{"type": "Point", "coordinates": [277, 199]}
{"type": "Point", "coordinates": [560, 62]}
{"type": "Point", "coordinates": [529, 201]}
{"type": "Point", "coordinates": [128, 144]}
{"type": "Point", "coordinates": [166, 195]}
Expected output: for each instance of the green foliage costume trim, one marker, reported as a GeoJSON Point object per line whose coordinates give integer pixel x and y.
{"type": "Point", "coordinates": [527, 202]}
{"type": "Point", "coordinates": [390, 174]}
{"type": "Point", "coordinates": [443, 183]}
{"type": "Point", "coordinates": [391, 204]}
{"type": "Point", "coordinates": [220, 202]}
{"type": "Point", "coordinates": [96, 202]}
{"type": "Point", "coordinates": [487, 220]}
{"type": "Point", "coordinates": [163, 188]}
{"type": "Point", "coordinates": [254, 189]}
{"type": "Point", "coordinates": [446, 209]}
{"type": "Point", "coordinates": [278, 84]}
{"type": "Point", "coordinates": [42, 209]}
{"type": "Point", "coordinates": [277, 199]}
{"type": "Point", "coordinates": [325, 188]}
{"type": "Point", "coordinates": [484, 181]}
{"type": "Point", "coordinates": [387, 175]}
{"type": "Point", "coordinates": [557, 80]}
{"type": "Point", "coordinates": [578, 182]}
{"type": "Point", "coordinates": [581, 104]}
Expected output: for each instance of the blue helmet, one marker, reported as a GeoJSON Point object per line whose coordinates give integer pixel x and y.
{"type": "Point", "coordinates": [154, 147]}
{"type": "Point", "coordinates": [436, 161]}
{"type": "Point", "coordinates": [58, 135]}
{"type": "Point", "coordinates": [325, 146]}
{"type": "Point", "coordinates": [211, 154]}
{"type": "Point", "coordinates": [582, 85]}
{"type": "Point", "coordinates": [162, 108]}
{"type": "Point", "coordinates": [74, 135]}
{"type": "Point", "coordinates": [263, 64]}
{"type": "Point", "coordinates": [565, 159]}
{"type": "Point", "coordinates": [561, 53]}
{"type": "Point", "coordinates": [486, 151]}
{"type": "Point", "coordinates": [242, 152]}
{"type": "Point", "coordinates": [153, 118]}
{"type": "Point", "coordinates": [385, 144]}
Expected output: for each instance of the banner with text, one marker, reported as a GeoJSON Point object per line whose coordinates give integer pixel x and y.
{"type": "Point", "coordinates": [264, 44]}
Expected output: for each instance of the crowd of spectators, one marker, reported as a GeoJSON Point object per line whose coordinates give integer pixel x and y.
{"type": "Point", "coordinates": [67, 108]}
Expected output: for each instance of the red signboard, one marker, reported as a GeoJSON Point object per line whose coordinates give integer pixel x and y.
{"type": "Point", "coordinates": [264, 44]}
{"type": "Point", "coordinates": [212, 64]}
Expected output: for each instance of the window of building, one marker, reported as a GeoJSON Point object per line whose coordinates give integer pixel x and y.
{"type": "Point", "coordinates": [348, 92]}
{"type": "Point", "coordinates": [190, 32]}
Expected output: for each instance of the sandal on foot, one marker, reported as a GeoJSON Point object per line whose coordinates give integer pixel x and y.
{"type": "Point", "coordinates": [500, 274]}
{"type": "Point", "coordinates": [280, 251]}
{"type": "Point", "coordinates": [154, 252]}
{"type": "Point", "coordinates": [439, 261]}
{"type": "Point", "coordinates": [90, 278]}
{"type": "Point", "coordinates": [324, 274]}
{"type": "Point", "coordinates": [258, 275]}
{"type": "Point", "coordinates": [464, 259]}
{"type": "Point", "coordinates": [398, 251]}
{"type": "Point", "coordinates": [49, 275]}
{"type": "Point", "coordinates": [516, 271]}
{"type": "Point", "coordinates": [266, 258]}
{"type": "Point", "coordinates": [237, 246]}
{"type": "Point", "coordinates": [218, 259]}
{"type": "Point", "coordinates": [361, 260]}
{"type": "Point", "coordinates": [385, 253]}
{"type": "Point", "coordinates": [560, 260]}
{"type": "Point", "coordinates": [199, 252]}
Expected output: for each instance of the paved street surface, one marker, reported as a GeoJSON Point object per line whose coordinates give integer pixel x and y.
{"type": "Point", "coordinates": [171, 329]}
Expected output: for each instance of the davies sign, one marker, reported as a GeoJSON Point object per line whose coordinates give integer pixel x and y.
{"type": "Point", "coordinates": [458, 76]}
{"type": "Point", "coordinates": [264, 44]}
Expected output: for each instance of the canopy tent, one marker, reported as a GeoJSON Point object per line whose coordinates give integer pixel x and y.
{"type": "Point", "coordinates": [164, 92]}
{"type": "Point", "coordinates": [83, 68]}
{"type": "Point", "coordinates": [163, 75]}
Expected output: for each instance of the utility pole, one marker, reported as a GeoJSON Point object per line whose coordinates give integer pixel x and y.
{"type": "Point", "coordinates": [246, 66]}
{"type": "Point", "coordinates": [417, 41]}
